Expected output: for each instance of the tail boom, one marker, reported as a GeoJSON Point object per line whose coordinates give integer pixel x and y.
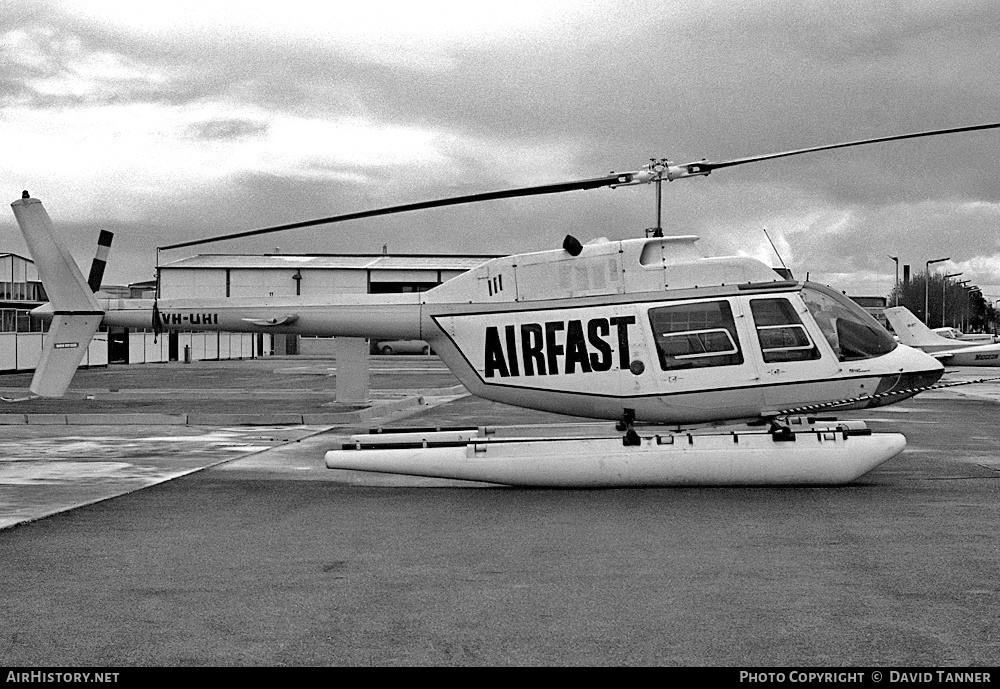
{"type": "Point", "coordinates": [383, 316]}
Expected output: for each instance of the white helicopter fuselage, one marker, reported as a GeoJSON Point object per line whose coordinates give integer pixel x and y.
{"type": "Point", "coordinates": [641, 326]}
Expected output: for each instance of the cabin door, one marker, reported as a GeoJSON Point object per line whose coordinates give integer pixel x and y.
{"type": "Point", "coordinates": [702, 369]}
{"type": "Point", "coordinates": [795, 370]}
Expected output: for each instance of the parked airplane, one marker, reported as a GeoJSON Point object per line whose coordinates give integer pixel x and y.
{"type": "Point", "coordinates": [971, 338]}
{"type": "Point", "coordinates": [637, 330]}
{"type": "Point", "coordinates": [911, 331]}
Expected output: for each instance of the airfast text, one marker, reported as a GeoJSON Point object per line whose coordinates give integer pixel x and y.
{"type": "Point", "coordinates": [557, 347]}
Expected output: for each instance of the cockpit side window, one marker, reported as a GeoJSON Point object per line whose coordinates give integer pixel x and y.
{"type": "Point", "coordinates": [852, 333]}
{"type": "Point", "coordinates": [695, 335]}
{"type": "Point", "coordinates": [780, 332]}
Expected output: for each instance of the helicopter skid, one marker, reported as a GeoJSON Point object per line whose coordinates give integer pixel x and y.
{"type": "Point", "coordinates": [814, 457]}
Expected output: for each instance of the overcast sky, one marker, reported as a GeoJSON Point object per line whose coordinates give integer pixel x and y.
{"type": "Point", "coordinates": [172, 121]}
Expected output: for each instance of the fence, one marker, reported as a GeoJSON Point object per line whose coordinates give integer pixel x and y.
{"type": "Point", "coordinates": [20, 351]}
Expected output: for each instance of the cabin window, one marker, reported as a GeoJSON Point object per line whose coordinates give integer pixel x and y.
{"type": "Point", "coordinates": [780, 332]}
{"type": "Point", "coordinates": [852, 333]}
{"type": "Point", "coordinates": [695, 335]}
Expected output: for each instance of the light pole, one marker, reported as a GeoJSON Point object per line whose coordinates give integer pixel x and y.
{"type": "Point", "coordinates": [896, 292]}
{"type": "Point", "coordinates": [944, 283]}
{"type": "Point", "coordinates": [965, 304]}
{"type": "Point", "coordinates": [927, 288]}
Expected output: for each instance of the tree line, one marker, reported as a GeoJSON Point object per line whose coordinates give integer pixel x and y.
{"type": "Point", "coordinates": [947, 303]}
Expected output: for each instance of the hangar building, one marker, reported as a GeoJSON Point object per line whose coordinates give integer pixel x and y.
{"type": "Point", "coordinates": [312, 276]}
{"type": "Point", "coordinates": [20, 334]}
{"type": "Point", "coordinates": [319, 275]}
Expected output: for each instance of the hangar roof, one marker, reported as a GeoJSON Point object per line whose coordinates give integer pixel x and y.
{"type": "Point", "coordinates": [333, 261]}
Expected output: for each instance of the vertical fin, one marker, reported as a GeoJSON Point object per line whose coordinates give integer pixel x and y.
{"type": "Point", "coordinates": [912, 331]}
{"type": "Point", "coordinates": [76, 313]}
{"type": "Point", "coordinates": [65, 344]}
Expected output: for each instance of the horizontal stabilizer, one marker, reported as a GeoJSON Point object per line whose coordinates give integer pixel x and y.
{"type": "Point", "coordinates": [272, 322]}
{"type": "Point", "coordinates": [65, 344]}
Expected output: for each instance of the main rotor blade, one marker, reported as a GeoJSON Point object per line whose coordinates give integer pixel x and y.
{"type": "Point", "coordinates": [709, 165]}
{"type": "Point", "coordinates": [645, 176]}
{"type": "Point", "coordinates": [610, 180]}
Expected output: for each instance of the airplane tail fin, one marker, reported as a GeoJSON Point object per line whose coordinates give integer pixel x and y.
{"type": "Point", "coordinates": [76, 313]}
{"type": "Point", "coordinates": [911, 330]}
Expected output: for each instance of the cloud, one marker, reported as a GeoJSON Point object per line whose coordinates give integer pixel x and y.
{"type": "Point", "coordinates": [50, 68]}
{"type": "Point", "coordinates": [227, 129]}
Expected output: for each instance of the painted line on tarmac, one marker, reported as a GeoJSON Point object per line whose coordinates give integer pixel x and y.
{"type": "Point", "coordinates": [41, 477]}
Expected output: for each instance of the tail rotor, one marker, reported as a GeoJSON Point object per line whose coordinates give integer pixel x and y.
{"type": "Point", "coordinates": [100, 260]}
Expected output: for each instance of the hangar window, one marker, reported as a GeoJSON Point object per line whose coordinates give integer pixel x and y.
{"type": "Point", "coordinates": [780, 332]}
{"type": "Point", "coordinates": [695, 335]}
{"type": "Point", "coordinates": [21, 321]}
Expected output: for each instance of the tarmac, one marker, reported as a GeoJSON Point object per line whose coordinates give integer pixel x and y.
{"type": "Point", "coordinates": [181, 515]}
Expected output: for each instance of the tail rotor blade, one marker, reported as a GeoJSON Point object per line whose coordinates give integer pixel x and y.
{"type": "Point", "coordinates": [100, 260]}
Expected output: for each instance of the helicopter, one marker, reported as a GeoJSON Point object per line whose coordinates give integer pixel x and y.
{"type": "Point", "coordinates": [636, 331]}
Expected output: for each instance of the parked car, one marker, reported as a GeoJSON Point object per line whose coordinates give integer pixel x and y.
{"type": "Point", "coordinates": [402, 347]}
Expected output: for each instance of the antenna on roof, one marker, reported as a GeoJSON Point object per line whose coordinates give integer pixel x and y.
{"type": "Point", "coordinates": [785, 272]}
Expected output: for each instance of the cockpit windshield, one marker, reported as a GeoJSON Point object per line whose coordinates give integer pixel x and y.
{"type": "Point", "coordinates": [852, 333]}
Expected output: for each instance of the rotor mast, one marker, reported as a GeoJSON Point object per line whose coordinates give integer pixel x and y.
{"type": "Point", "coordinates": [657, 166]}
